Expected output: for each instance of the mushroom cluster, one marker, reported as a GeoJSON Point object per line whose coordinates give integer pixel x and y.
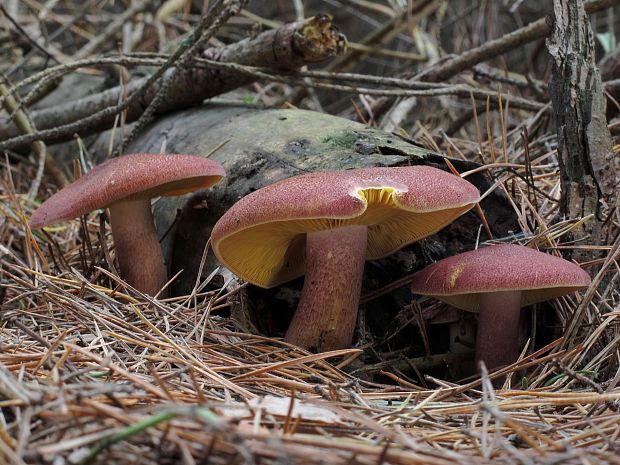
{"type": "Point", "coordinates": [324, 225]}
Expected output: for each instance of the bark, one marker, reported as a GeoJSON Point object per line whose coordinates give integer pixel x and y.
{"type": "Point", "coordinates": [288, 48]}
{"type": "Point", "coordinates": [588, 166]}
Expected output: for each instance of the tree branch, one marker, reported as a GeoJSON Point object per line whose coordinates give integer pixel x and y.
{"type": "Point", "coordinates": [287, 48]}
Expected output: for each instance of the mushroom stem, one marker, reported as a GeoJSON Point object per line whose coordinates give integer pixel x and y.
{"type": "Point", "coordinates": [327, 312]}
{"type": "Point", "coordinates": [497, 342]}
{"type": "Point", "coordinates": [138, 251]}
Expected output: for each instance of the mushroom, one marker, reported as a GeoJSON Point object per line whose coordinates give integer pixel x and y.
{"type": "Point", "coordinates": [497, 281]}
{"type": "Point", "coordinates": [125, 186]}
{"type": "Point", "coordinates": [326, 224]}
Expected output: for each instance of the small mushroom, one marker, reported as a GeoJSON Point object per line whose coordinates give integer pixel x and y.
{"type": "Point", "coordinates": [125, 186]}
{"type": "Point", "coordinates": [497, 281]}
{"type": "Point", "coordinates": [326, 224]}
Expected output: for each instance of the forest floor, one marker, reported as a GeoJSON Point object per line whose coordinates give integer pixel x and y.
{"type": "Point", "coordinates": [92, 371]}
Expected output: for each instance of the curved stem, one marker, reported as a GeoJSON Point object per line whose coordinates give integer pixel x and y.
{"type": "Point", "coordinates": [497, 342]}
{"type": "Point", "coordinates": [138, 251]}
{"type": "Point", "coordinates": [327, 312]}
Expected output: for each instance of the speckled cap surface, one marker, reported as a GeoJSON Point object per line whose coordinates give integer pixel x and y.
{"type": "Point", "coordinates": [136, 176]}
{"type": "Point", "coordinates": [461, 279]}
{"type": "Point", "coordinates": [262, 237]}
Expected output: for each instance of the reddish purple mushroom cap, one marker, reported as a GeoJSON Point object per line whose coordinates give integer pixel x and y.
{"type": "Point", "coordinates": [460, 280]}
{"type": "Point", "coordinates": [262, 237]}
{"type": "Point", "coordinates": [137, 176]}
